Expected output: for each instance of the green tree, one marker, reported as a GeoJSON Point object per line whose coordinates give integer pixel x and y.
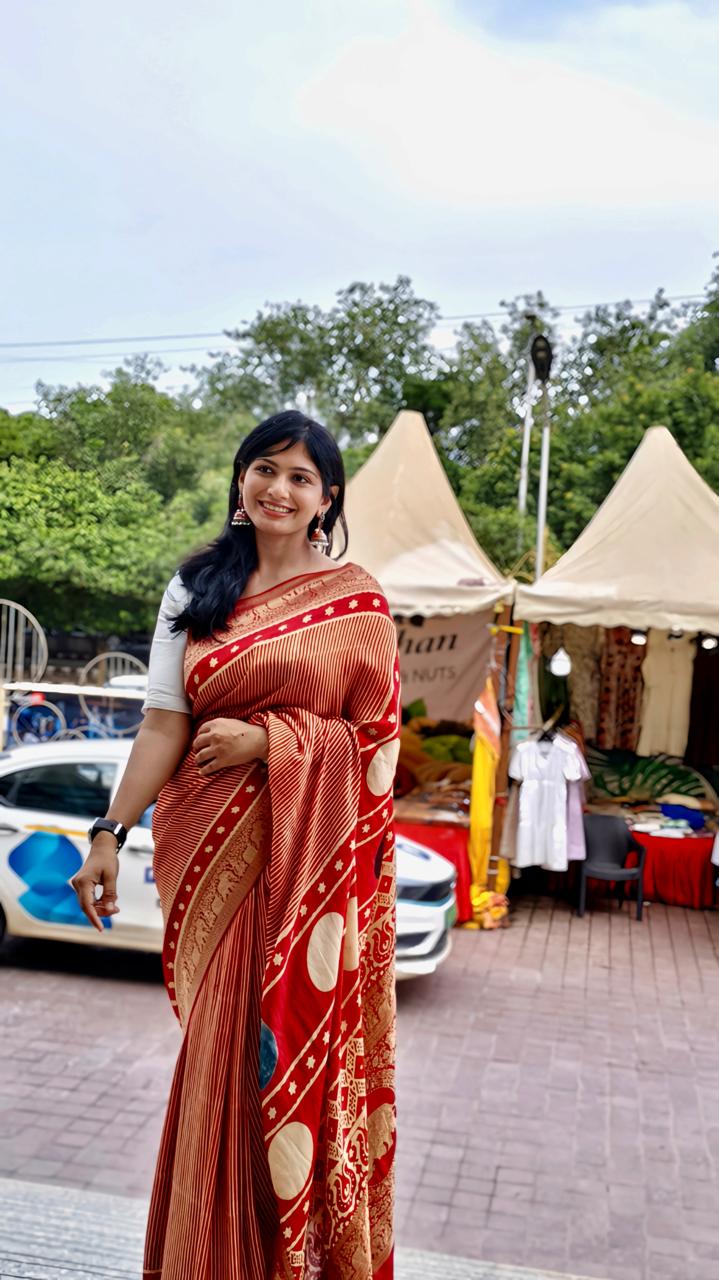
{"type": "Point", "coordinates": [591, 449]}
{"type": "Point", "coordinates": [133, 428]}
{"type": "Point", "coordinates": [381, 337]}
{"type": "Point", "coordinates": [615, 343]}
{"type": "Point", "coordinates": [347, 366]}
{"type": "Point", "coordinates": [479, 406]}
{"type": "Point", "coordinates": [697, 344]}
{"type": "Point", "coordinates": [23, 435]}
{"type": "Point", "coordinates": [281, 359]}
{"type": "Point", "coordinates": [77, 553]}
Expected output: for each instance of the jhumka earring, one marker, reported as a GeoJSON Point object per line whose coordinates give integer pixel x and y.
{"type": "Point", "coordinates": [240, 517]}
{"type": "Point", "coordinates": [319, 538]}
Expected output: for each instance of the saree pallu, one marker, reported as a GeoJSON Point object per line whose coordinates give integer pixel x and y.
{"type": "Point", "coordinates": [278, 890]}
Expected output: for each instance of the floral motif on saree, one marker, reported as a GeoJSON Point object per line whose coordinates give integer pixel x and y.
{"type": "Point", "coordinates": [277, 885]}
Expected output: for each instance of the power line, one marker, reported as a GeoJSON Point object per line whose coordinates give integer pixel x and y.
{"type": "Point", "coordinates": [102, 355]}
{"type": "Point", "coordinates": [580, 306]}
{"type": "Point", "coordinates": [221, 333]}
{"type": "Point", "coordinates": [95, 342]}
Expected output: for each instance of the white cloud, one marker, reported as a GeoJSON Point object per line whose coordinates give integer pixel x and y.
{"type": "Point", "coordinates": [453, 117]}
{"type": "Point", "coordinates": [171, 167]}
{"type": "Point", "coordinates": [667, 50]}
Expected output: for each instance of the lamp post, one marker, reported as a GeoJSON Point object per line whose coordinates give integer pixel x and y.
{"type": "Point", "coordinates": [541, 356]}
{"type": "Point", "coordinates": [527, 431]}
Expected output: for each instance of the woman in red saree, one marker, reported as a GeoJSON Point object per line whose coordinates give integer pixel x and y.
{"type": "Point", "coordinates": [274, 862]}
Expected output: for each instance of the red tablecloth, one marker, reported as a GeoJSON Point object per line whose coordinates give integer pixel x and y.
{"type": "Point", "coordinates": [679, 872]}
{"type": "Point", "coordinates": [451, 841]}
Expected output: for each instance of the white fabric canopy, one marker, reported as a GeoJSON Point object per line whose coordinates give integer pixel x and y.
{"type": "Point", "coordinates": [648, 558]}
{"type": "Point", "coordinates": [407, 528]}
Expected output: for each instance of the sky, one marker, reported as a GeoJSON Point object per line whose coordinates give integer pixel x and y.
{"type": "Point", "coordinates": [169, 167]}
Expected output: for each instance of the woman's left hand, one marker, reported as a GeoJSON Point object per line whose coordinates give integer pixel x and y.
{"type": "Point", "coordinates": [222, 743]}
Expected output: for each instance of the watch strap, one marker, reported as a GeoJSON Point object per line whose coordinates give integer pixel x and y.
{"type": "Point", "coordinates": [115, 829]}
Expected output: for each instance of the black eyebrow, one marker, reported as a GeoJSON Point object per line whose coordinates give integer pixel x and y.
{"type": "Point", "coordinates": [271, 459]}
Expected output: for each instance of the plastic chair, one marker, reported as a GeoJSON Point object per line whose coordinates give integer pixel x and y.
{"type": "Point", "coordinates": [609, 841]}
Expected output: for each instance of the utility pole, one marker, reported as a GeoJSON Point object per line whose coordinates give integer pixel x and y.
{"type": "Point", "coordinates": [541, 359]}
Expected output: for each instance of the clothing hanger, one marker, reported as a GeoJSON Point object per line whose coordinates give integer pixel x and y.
{"type": "Point", "coordinates": [545, 726]}
{"type": "Point", "coordinates": [549, 728]}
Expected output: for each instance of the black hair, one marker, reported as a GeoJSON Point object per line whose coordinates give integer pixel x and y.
{"type": "Point", "coordinates": [216, 575]}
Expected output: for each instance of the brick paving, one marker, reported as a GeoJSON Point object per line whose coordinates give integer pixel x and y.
{"type": "Point", "coordinates": [558, 1088]}
{"type": "Point", "coordinates": [560, 1096]}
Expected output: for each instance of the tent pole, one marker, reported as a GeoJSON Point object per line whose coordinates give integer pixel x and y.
{"type": "Point", "coordinates": [502, 779]}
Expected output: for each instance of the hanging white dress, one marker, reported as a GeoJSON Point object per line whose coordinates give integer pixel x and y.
{"type": "Point", "coordinates": [544, 768]}
{"type": "Point", "coordinates": [668, 670]}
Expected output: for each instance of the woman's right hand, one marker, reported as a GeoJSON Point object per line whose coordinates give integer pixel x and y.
{"type": "Point", "coordinates": [99, 868]}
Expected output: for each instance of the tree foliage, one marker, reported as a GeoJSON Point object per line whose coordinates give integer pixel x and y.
{"type": "Point", "coordinates": [72, 551]}
{"type": "Point", "coordinates": [347, 366]}
{"type": "Point", "coordinates": [132, 430]}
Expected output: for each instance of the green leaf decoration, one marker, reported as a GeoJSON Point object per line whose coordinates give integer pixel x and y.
{"type": "Point", "coordinates": [634, 778]}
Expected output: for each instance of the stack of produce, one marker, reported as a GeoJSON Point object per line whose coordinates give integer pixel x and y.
{"type": "Point", "coordinates": [432, 751]}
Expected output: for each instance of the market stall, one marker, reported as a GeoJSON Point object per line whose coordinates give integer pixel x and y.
{"type": "Point", "coordinates": [407, 528]}
{"type": "Point", "coordinates": [633, 609]}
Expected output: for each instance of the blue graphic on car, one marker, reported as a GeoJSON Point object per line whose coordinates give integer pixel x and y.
{"type": "Point", "coordinates": [268, 1055]}
{"type": "Point", "coordinates": [45, 862]}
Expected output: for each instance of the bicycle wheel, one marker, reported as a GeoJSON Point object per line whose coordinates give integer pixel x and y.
{"type": "Point", "coordinates": [37, 722]}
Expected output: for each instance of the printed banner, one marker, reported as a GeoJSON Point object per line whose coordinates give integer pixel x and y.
{"type": "Point", "coordinates": [444, 660]}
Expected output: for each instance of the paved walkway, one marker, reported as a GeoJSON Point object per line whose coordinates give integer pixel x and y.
{"type": "Point", "coordinates": [560, 1096]}
{"type": "Point", "coordinates": [558, 1089]}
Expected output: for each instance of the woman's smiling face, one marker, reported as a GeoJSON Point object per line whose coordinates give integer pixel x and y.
{"type": "Point", "coordinates": [282, 492]}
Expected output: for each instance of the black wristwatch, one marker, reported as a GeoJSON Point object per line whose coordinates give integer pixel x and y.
{"type": "Point", "coordinates": [106, 824]}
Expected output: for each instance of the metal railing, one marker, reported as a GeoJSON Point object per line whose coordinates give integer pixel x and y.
{"type": "Point", "coordinates": [23, 644]}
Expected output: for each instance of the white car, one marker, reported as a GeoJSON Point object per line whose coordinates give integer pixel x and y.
{"type": "Point", "coordinates": [426, 909]}
{"type": "Point", "coordinates": [50, 793]}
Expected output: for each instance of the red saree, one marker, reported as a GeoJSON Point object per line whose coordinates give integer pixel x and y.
{"type": "Point", "coordinates": [277, 886]}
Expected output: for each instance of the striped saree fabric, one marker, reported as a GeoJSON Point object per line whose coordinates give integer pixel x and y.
{"type": "Point", "coordinates": [277, 884]}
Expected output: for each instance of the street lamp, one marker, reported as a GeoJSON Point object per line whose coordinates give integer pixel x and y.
{"type": "Point", "coordinates": [541, 356]}
{"type": "Point", "coordinates": [526, 432]}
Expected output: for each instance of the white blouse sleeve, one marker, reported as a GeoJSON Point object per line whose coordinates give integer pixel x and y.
{"type": "Point", "coordinates": [165, 679]}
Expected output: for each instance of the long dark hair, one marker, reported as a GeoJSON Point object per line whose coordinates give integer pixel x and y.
{"type": "Point", "coordinates": [217, 575]}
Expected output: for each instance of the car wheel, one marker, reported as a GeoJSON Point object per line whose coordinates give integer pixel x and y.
{"type": "Point", "coordinates": [2, 925]}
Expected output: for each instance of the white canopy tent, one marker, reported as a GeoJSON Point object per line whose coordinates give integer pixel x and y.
{"type": "Point", "coordinates": [648, 557]}
{"type": "Point", "coordinates": [407, 528]}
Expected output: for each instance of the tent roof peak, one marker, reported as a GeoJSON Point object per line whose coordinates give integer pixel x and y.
{"type": "Point", "coordinates": [646, 557]}
{"type": "Point", "coordinates": [408, 529]}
